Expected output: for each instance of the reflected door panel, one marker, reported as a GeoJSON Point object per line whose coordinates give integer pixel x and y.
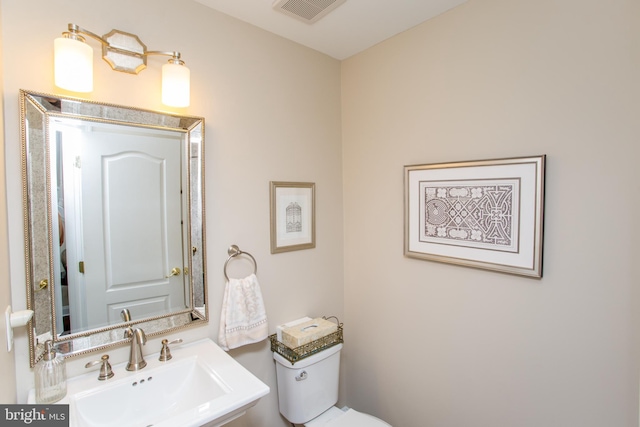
{"type": "Point", "coordinates": [132, 225]}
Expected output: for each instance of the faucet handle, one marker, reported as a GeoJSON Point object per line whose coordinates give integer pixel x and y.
{"type": "Point", "coordinates": [165, 353]}
{"type": "Point", "coordinates": [105, 368]}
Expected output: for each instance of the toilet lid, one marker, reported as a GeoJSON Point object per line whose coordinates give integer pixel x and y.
{"type": "Point", "coordinates": [352, 418]}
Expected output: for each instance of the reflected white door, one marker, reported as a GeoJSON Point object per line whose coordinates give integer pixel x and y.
{"type": "Point", "coordinates": [132, 224]}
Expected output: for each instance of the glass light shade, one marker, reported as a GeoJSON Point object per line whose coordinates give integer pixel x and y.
{"type": "Point", "coordinates": [73, 68]}
{"type": "Point", "coordinates": [175, 85]}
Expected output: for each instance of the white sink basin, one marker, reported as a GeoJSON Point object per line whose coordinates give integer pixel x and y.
{"type": "Point", "coordinates": [201, 384]}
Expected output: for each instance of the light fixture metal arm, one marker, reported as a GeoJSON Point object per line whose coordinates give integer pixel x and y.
{"type": "Point", "coordinates": [175, 56]}
{"type": "Point", "coordinates": [75, 30]}
{"type": "Point", "coordinates": [158, 52]}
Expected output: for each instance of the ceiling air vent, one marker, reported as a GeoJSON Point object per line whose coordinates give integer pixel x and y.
{"type": "Point", "coordinates": [308, 11]}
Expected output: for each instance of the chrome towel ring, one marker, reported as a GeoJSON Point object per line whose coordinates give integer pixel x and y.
{"type": "Point", "coordinates": [233, 252]}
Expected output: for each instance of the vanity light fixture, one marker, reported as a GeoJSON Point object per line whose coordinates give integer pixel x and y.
{"type": "Point", "coordinates": [73, 63]}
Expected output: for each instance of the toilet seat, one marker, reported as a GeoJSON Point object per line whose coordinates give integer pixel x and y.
{"type": "Point", "coordinates": [349, 418]}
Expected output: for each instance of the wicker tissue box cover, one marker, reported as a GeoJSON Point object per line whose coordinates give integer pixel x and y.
{"type": "Point", "coordinates": [304, 333]}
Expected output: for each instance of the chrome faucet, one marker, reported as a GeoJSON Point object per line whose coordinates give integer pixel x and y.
{"type": "Point", "coordinates": [136, 361]}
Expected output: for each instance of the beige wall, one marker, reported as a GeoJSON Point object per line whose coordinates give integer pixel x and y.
{"type": "Point", "coordinates": [272, 111]}
{"type": "Point", "coordinates": [436, 345]}
{"type": "Point", "coordinates": [7, 392]}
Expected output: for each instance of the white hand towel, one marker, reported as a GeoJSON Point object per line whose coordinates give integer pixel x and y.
{"type": "Point", "coordinates": [243, 319]}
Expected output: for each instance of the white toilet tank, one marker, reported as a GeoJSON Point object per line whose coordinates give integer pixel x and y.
{"type": "Point", "coordinates": [310, 386]}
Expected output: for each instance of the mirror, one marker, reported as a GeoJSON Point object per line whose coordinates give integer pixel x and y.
{"type": "Point", "coordinates": [114, 222]}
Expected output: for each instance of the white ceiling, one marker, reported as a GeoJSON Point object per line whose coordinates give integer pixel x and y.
{"type": "Point", "coordinates": [351, 28]}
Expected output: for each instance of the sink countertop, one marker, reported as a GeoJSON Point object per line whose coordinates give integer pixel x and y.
{"type": "Point", "coordinates": [236, 389]}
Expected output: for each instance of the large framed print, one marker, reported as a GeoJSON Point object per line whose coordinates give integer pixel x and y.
{"type": "Point", "coordinates": [293, 222]}
{"type": "Point", "coordinates": [485, 214]}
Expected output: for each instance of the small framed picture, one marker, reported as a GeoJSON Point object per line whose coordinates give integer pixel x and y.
{"type": "Point", "coordinates": [293, 218]}
{"type": "Point", "coordinates": [485, 214]}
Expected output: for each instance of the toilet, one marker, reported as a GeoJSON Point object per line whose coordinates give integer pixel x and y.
{"type": "Point", "coordinates": [308, 391]}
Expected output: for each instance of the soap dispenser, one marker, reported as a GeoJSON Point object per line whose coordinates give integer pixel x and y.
{"type": "Point", "coordinates": [51, 376]}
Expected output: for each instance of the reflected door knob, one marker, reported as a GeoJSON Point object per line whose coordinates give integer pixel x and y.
{"type": "Point", "coordinates": [174, 272]}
